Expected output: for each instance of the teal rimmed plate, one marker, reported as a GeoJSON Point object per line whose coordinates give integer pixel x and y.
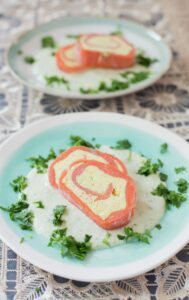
{"type": "Point", "coordinates": [29, 43]}
{"type": "Point", "coordinates": [119, 262]}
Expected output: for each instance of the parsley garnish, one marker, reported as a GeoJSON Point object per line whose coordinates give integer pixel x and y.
{"type": "Point", "coordinates": [40, 162]}
{"type": "Point", "coordinates": [149, 168]}
{"type": "Point", "coordinates": [135, 77]}
{"type": "Point", "coordinates": [163, 148]}
{"type": "Point", "coordinates": [115, 85]}
{"type": "Point", "coordinates": [29, 59]}
{"type": "Point", "coordinates": [19, 184]}
{"type": "Point", "coordinates": [182, 185]}
{"type": "Point", "coordinates": [50, 80]}
{"type": "Point", "coordinates": [22, 240]}
{"type": "Point", "coordinates": [170, 197]}
{"type": "Point", "coordinates": [145, 61]}
{"type": "Point", "coordinates": [76, 140]}
{"type": "Point", "coordinates": [58, 212]}
{"type": "Point", "coordinates": [48, 42]}
{"type": "Point", "coordinates": [19, 212]}
{"type": "Point", "coordinates": [106, 239]}
{"type": "Point", "coordinates": [122, 144]}
{"type": "Point", "coordinates": [163, 176]}
{"type": "Point", "coordinates": [117, 32]}
{"type": "Point", "coordinates": [158, 226]}
{"type": "Point", "coordinates": [37, 289]}
{"type": "Point", "coordinates": [19, 52]}
{"type": "Point", "coordinates": [73, 36]}
{"type": "Point", "coordinates": [180, 170]}
{"type": "Point", "coordinates": [39, 204]}
{"type": "Point", "coordinates": [69, 245]}
{"type": "Point", "coordinates": [129, 233]}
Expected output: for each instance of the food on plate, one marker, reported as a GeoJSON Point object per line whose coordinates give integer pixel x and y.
{"type": "Point", "coordinates": [67, 60]}
{"type": "Point", "coordinates": [87, 198]}
{"type": "Point", "coordinates": [105, 51]}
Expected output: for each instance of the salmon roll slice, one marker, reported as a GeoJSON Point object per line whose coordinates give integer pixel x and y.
{"type": "Point", "coordinates": [106, 51]}
{"type": "Point", "coordinates": [67, 60]}
{"type": "Point", "coordinates": [103, 193]}
{"type": "Point", "coordinates": [77, 153]}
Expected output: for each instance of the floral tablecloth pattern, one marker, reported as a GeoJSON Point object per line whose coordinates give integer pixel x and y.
{"type": "Point", "coordinates": [166, 103]}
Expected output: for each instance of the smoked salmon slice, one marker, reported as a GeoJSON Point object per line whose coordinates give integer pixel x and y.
{"type": "Point", "coordinates": [76, 153]}
{"type": "Point", "coordinates": [67, 59]}
{"type": "Point", "coordinates": [103, 193]}
{"type": "Point", "coordinates": [105, 51]}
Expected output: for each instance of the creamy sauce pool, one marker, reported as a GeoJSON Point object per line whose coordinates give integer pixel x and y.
{"type": "Point", "coordinates": [148, 213]}
{"type": "Point", "coordinates": [45, 65]}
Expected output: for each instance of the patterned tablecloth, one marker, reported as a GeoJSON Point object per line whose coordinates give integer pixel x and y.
{"type": "Point", "coordinates": [166, 103]}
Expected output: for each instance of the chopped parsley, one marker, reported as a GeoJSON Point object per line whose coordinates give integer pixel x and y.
{"type": "Point", "coordinates": [163, 176]}
{"type": "Point", "coordinates": [136, 77]}
{"type": "Point", "coordinates": [48, 42]}
{"type": "Point", "coordinates": [22, 240]}
{"type": "Point", "coordinates": [73, 36]}
{"type": "Point", "coordinates": [29, 60]}
{"type": "Point", "coordinates": [39, 204]}
{"type": "Point", "coordinates": [37, 289]}
{"type": "Point", "coordinates": [19, 184]}
{"type": "Point", "coordinates": [180, 170]}
{"type": "Point", "coordinates": [40, 162]}
{"type": "Point", "coordinates": [50, 80]}
{"type": "Point", "coordinates": [122, 144]}
{"type": "Point", "coordinates": [115, 85]}
{"type": "Point", "coordinates": [68, 245]}
{"type": "Point", "coordinates": [117, 32]}
{"type": "Point", "coordinates": [106, 239]}
{"type": "Point", "coordinates": [58, 212]}
{"type": "Point", "coordinates": [158, 226]}
{"type": "Point", "coordinates": [163, 148]}
{"type": "Point", "coordinates": [182, 185]}
{"type": "Point", "coordinates": [19, 212]}
{"type": "Point", "coordinates": [76, 140]}
{"type": "Point", "coordinates": [170, 197]}
{"type": "Point", "coordinates": [129, 233]}
{"type": "Point", "coordinates": [149, 168]}
{"type": "Point", "coordinates": [19, 52]}
{"type": "Point", "coordinates": [145, 61]}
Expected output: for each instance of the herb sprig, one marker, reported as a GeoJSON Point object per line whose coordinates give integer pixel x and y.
{"type": "Point", "coordinates": [179, 170]}
{"type": "Point", "coordinates": [148, 167]}
{"type": "Point", "coordinates": [29, 60]}
{"type": "Point", "coordinates": [182, 185]}
{"type": "Point", "coordinates": [76, 140]}
{"type": "Point", "coordinates": [68, 245]}
{"type": "Point", "coordinates": [163, 148]}
{"type": "Point", "coordinates": [48, 42]}
{"type": "Point", "coordinates": [19, 184]}
{"type": "Point", "coordinates": [144, 60]}
{"type": "Point", "coordinates": [58, 212]}
{"type": "Point", "coordinates": [40, 162]}
{"type": "Point", "coordinates": [129, 234]}
{"type": "Point", "coordinates": [122, 144]}
{"type": "Point", "coordinates": [51, 80]}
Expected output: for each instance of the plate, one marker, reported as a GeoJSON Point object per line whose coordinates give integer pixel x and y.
{"type": "Point", "coordinates": [123, 261]}
{"type": "Point", "coordinates": [29, 43]}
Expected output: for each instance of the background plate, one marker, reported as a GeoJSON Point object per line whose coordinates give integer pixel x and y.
{"type": "Point", "coordinates": [137, 34]}
{"type": "Point", "coordinates": [119, 262]}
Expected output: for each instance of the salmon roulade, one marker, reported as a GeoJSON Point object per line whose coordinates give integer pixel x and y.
{"type": "Point", "coordinates": [77, 153]}
{"type": "Point", "coordinates": [103, 193]}
{"type": "Point", "coordinates": [105, 51]}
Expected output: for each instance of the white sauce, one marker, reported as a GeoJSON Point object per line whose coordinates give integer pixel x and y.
{"type": "Point", "coordinates": [149, 208]}
{"type": "Point", "coordinates": [45, 65]}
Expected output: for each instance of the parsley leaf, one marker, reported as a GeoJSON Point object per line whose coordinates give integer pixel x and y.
{"type": "Point", "coordinates": [106, 239]}
{"type": "Point", "coordinates": [136, 77]}
{"type": "Point", "coordinates": [182, 185]}
{"type": "Point", "coordinates": [76, 140]}
{"type": "Point", "coordinates": [29, 59]}
{"type": "Point", "coordinates": [19, 184]}
{"type": "Point", "coordinates": [180, 170]}
{"type": "Point", "coordinates": [122, 144]}
{"type": "Point", "coordinates": [50, 80]}
{"type": "Point", "coordinates": [158, 226]}
{"type": "Point", "coordinates": [22, 240]}
{"type": "Point", "coordinates": [163, 176]}
{"type": "Point", "coordinates": [149, 168]}
{"type": "Point", "coordinates": [40, 162]}
{"type": "Point", "coordinates": [163, 148]}
{"type": "Point", "coordinates": [145, 60]}
{"type": "Point", "coordinates": [18, 212]}
{"type": "Point", "coordinates": [48, 42]}
{"type": "Point", "coordinates": [170, 197]}
{"type": "Point", "coordinates": [58, 212]}
{"type": "Point", "coordinates": [68, 245]}
{"type": "Point", "coordinates": [39, 204]}
{"type": "Point", "coordinates": [129, 233]}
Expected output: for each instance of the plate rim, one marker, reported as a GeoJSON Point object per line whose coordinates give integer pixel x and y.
{"type": "Point", "coordinates": [76, 95]}
{"type": "Point", "coordinates": [78, 272]}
